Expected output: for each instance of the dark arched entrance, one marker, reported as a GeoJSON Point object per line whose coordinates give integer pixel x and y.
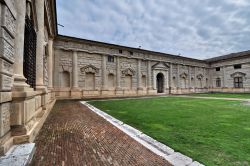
{"type": "Point", "coordinates": [160, 83]}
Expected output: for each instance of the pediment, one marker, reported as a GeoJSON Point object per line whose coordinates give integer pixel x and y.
{"type": "Point", "coordinates": [160, 65]}
{"type": "Point", "coordinates": [184, 75]}
{"type": "Point", "coordinates": [128, 71]}
{"type": "Point", "coordinates": [89, 69]}
{"type": "Point", "coordinates": [238, 74]}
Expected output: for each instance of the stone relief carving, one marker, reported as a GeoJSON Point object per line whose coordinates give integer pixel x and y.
{"type": "Point", "coordinates": [200, 76]}
{"type": "Point", "coordinates": [110, 71]}
{"type": "Point", "coordinates": [128, 71]}
{"type": "Point", "coordinates": [89, 69]}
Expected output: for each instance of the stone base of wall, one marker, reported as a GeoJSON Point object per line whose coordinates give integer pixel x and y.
{"type": "Point", "coordinates": [230, 90]}
{"type": "Point", "coordinates": [29, 110]}
{"type": "Point", "coordinates": [66, 93]}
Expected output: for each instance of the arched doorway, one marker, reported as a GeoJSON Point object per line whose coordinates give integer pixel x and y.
{"type": "Point", "coordinates": [160, 83]}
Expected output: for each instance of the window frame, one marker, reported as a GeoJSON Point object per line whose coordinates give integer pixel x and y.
{"type": "Point", "coordinates": [238, 66]}
{"type": "Point", "coordinates": [238, 82]}
{"type": "Point", "coordinates": [217, 69]}
{"type": "Point", "coordinates": [111, 59]}
{"type": "Point", "coordinates": [218, 83]}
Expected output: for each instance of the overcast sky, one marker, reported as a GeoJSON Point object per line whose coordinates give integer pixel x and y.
{"type": "Point", "coordinates": [194, 28]}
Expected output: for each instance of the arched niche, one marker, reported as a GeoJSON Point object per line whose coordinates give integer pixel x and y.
{"type": "Point", "coordinates": [111, 80]}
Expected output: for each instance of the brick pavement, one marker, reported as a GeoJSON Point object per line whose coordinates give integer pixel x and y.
{"type": "Point", "coordinates": [74, 135]}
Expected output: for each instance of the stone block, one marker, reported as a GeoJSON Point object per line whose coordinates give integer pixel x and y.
{"type": "Point", "coordinates": [6, 50]}
{"type": "Point", "coordinates": [4, 118]}
{"type": "Point", "coordinates": [108, 93]}
{"type": "Point", "coordinates": [29, 109]}
{"type": "Point", "coordinates": [179, 159]}
{"type": "Point", "coordinates": [5, 96]}
{"type": "Point", "coordinates": [5, 82]}
{"type": "Point", "coordinates": [6, 67]}
{"type": "Point", "coordinates": [8, 21]}
{"type": "Point", "coordinates": [38, 102]}
{"type": "Point", "coordinates": [6, 36]}
{"type": "Point", "coordinates": [19, 155]}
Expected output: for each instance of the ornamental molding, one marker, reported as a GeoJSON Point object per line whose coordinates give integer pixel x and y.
{"type": "Point", "coordinates": [89, 69]}
{"type": "Point", "coordinates": [128, 71]}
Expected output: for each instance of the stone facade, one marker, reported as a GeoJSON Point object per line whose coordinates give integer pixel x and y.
{"type": "Point", "coordinates": [86, 68]}
{"type": "Point", "coordinates": [23, 108]}
{"type": "Point", "coordinates": [71, 68]}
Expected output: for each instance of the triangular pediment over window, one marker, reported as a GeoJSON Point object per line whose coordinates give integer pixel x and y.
{"type": "Point", "coordinates": [161, 66]}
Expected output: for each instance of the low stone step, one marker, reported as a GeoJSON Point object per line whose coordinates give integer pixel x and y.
{"type": "Point", "coordinates": [18, 155]}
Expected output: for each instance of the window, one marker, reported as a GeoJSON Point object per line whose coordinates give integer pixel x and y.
{"type": "Point", "coordinates": [218, 82]}
{"type": "Point", "coordinates": [238, 82]}
{"type": "Point", "coordinates": [238, 66]}
{"type": "Point", "coordinates": [111, 58]}
{"type": "Point", "coordinates": [217, 69]}
{"type": "Point", "coordinates": [131, 53]}
{"type": "Point", "coordinates": [120, 51]}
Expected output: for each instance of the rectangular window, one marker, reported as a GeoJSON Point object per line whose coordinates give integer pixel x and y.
{"type": "Point", "coordinates": [238, 66]}
{"type": "Point", "coordinates": [217, 69]}
{"type": "Point", "coordinates": [111, 58]}
{"type": "Point", "coordinates": [120, 51]}
{"type": "Point", "coordinates": [218, 82]}
{"type": "Point", "coordinates": [131, 53]}
{"type": "Point", "coordinates": [238, 82]}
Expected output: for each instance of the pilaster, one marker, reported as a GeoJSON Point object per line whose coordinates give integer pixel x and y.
{"type": "Point", "coordinates": [50, 63]}
{"type": "Point", "coordinates": [139, 75]}
{"type": "Point", "coordinates": [149, 81]}
{"type": "Point", "coordinates": [118, 74]}
{"type": "Point", "coordinates": [75, 70]}
{"type": "Point", "coordinates": [104, 72]}
{"type": "Point", "coordinates": [40, 45]}
{"type": "Point", "coordinates": [178, 76]}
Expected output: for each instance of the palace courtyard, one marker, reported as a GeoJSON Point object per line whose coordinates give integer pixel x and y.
{"type": "Point", "coordinates": [212, 131]}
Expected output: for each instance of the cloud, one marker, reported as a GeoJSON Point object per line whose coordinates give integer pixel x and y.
{"type": "Point", "coordinates": [197, 29]}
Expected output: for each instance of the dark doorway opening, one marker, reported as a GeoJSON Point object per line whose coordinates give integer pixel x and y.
{"type": "Point", "coordinates": [160, 83]}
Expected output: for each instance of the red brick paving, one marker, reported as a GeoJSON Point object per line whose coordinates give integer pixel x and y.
{"type": "Point", "coordinates": [74, 135]}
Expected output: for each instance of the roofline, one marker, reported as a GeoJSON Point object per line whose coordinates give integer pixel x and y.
{"type": "Point", "coordinates": [55, 18]}
{"type": "Point", "coordinates": [59, 36]}
{"type": "Point", "coordinates": [228, 56]}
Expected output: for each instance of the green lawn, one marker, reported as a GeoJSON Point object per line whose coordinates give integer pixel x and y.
{"type": "Point", "coordinates": [225, 95]}
{"type": "Point", "coordinates": [213, 132]}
